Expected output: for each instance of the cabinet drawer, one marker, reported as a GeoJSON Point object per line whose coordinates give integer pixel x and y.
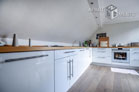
{"type": "Point", "coordinates": [16, 55]}
{"type": "Point", "coordinates": [102, 60]}
{"type": "Point", "coordinates": [102, 51]}
{"type": "Point", "coordinates": [134, 62]}
{"type": "Point", "coordinates": [134, 49]}
{"type": "Point", "coordinates": [64, 53]}
{"type": "Point", "coordinates": [134, 52]}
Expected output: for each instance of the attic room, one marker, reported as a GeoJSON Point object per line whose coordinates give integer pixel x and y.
{"type": "Point", "coordinates": [69, 45]}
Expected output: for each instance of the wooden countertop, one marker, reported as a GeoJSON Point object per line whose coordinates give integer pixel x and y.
{"type": "Point", "coordinates": [7, 49]}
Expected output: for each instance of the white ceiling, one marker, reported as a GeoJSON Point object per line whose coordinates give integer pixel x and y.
{"type": "Point", "coordinates": [124, 7]}
{"type": "Point", "coordinates": [47, 20]}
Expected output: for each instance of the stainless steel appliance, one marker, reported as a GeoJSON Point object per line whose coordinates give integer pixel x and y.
{"type": "Point", "coordinates": [135, 44]}
{"type": "Point", "coordinates": [121, 55]}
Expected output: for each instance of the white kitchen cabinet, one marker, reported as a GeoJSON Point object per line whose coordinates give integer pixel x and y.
{"type": "Point", "coordinates": [134, 57]}
{"type": "Point", "coordinates": [84, 57]}
{"type": "Point", "coordinates": [101, 55]}
{"type": "Point", "coordinates": [38, 71]}
{"type": "Point", "coordinates": [27, 72]}
{"type": "Point", "coordinates": [65, 70]}
{"type": "Point", "coordinates": [62, 75]}
{"type": "Point", "coordinates": [88, 56]}
{"type": "Point", "coordinates": [69, 67]}
{"type": "Point", "coordinates": [81, 61]}
{"type": "Point", "coordinates": [74, 69]}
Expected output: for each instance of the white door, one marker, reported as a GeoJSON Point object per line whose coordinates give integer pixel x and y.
{"type": "Point", "coordinates": [44, 73]}
{"type": "Point", "coordinates": [27, 72]}
{"type": "Point", "coordinates": [62, 75]}
{"type": "Point", "coordinates": [134, 57]}
{"type": "Point", "coordinates": [90, 55]}
{"type": "Point", "coordinates": [81, 61]}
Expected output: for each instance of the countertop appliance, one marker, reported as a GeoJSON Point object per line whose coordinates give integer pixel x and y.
{"type": "Point", "coordinates": [121, 55]}
{"type": "Point", "coordinates": [135, 44]}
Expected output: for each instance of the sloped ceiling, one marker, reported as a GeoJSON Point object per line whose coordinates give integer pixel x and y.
{"type": "Point", "coordinates": [47, 20]}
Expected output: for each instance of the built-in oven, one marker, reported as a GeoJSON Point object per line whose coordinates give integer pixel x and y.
{"type": "Point", "coordinates": [121, 55]}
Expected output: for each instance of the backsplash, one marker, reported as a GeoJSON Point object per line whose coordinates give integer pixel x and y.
{"type": "Point", "coordinates": [35, 42]}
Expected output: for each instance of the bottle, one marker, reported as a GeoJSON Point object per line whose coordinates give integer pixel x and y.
{"type": "Point", "coordinates": [15, 41]}
{"type": "Point", "coordinates": [29, 42]}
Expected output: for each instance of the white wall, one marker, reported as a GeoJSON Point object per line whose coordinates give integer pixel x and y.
{"type": "Point", "coordinates": [25, 42]}
{"type": "Point", "coordinates": [47, 20]}
{"type": "Point", "coordinates": [120, 33]}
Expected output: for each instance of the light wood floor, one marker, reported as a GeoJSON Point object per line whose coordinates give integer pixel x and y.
{"type": "Point", "coordinates": [101, 79]}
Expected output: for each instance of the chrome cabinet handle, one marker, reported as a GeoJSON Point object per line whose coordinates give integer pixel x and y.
{"type": "Point", "coordinates": [101, 57]}
{"type": "Point", "coordinates": [136, 52]}
{"type": "Point", "coordinates": [102, 51]}
{"type": "Point", "coordinates": [69, 70]}
{"type": "Point", "coordinates": [23, 58]}
{"type": "Point", "coordinates": [136, 60]}
{"type": "Point", "coordinates": [72, 69]}
{"type": "Point", "coordinates": [69, 52]}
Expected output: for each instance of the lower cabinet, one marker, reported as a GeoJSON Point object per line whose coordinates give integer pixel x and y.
{"type": "Point", "coordinates": [27, 72]}
{"type": "Point", "coordinates": [134, 57]}
{"type": "Point", "coordinates": [62, 75]}
{"type": "Point", "coordinates": [65, 73]}
{"type": "Point", "coordinates": [83, 61]}
{"type": "Point", "coordinates": [70, 68]}
{"type": "Point", "coordinates": [101, 55]}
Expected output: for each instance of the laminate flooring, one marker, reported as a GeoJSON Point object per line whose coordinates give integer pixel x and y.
{"type": "Point", "coordinates": [101, 79]}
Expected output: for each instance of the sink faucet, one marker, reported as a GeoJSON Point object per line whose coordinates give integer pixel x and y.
{"type": "Point", "coordinates": [73, 43]}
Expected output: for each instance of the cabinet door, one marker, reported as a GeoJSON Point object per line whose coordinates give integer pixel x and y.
{"type": "Point", "coordinates": [90, 55]}
{"type": "Point", "coordinates": [27, 72]}
{"type": "Point", "coordinates": [44, 73]}
{"type": "Point", "coordinates": [62, 75]}
{"type": "Point", "coordinates": [74, 69]}
{"type": "Point", "coordinates": [102, 55]}
{"type": "Point", "coordinates": [134, 57]}
{"type": "Point", "coordinates": [134, 63]}
{"type": "Point", "coordinates": [81, 61]}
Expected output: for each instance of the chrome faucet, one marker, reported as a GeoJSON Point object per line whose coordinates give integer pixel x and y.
{"type": "Point", "coordinates": [73, 43]}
